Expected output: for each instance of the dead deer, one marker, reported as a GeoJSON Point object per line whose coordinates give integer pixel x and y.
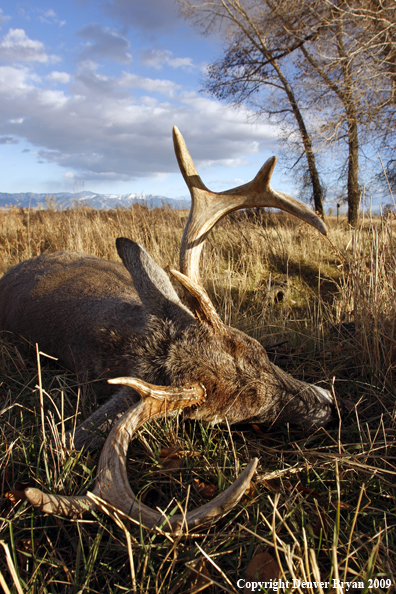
{"type": "Point", "coordinates": [110, 320]}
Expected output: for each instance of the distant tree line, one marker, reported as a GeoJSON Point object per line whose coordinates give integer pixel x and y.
{"type": "Point", "coordinates": [324, 70]}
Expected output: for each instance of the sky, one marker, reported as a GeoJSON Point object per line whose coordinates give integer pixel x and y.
{"type": "Point", "coordinates": [90, 91]}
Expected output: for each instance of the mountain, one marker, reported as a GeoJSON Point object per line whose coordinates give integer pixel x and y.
{"type": "Point", "coordinates": [65, 200]}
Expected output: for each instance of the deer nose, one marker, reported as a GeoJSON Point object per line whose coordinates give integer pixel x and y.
{"type": "Point", "coordinates": [324, 395]}
{"type": "Point", "coordinates": [325, 412]}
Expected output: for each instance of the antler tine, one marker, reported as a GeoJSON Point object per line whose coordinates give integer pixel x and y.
{"type": "Point", "coordinates": [112, 481]}
{"type": "Point", "coordinates": [72, 507]}
{"type": "Point", "coordinates": [209, 207]}
{"type": "Point", "coordinates": [200, 302]}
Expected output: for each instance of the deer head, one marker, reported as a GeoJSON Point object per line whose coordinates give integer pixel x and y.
{"type": "Point", "coordinates": [216, 373]}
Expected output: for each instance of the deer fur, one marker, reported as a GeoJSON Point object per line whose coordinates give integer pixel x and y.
{"type": "Point", "coordinates": [105, 319]}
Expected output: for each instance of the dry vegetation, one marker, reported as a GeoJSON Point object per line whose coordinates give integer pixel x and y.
{"type": "Point", "coordinates": [322, 505]}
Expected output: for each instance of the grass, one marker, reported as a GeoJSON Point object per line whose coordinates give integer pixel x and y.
{"type": "Point", "coordinates": [322, 505]}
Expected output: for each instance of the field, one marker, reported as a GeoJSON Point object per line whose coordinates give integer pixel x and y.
{"type": "Point", "coordinates": [322, 506]}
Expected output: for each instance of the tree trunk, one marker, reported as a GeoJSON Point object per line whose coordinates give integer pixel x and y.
{"type": "Point", "coordinates": [348, 100]}
{"type": "Point", "coordinates": [313, 172]}
{"type": "Point", "coordinates": [353, 171]}
{"type": "Point", "coordinates": [307, 142]}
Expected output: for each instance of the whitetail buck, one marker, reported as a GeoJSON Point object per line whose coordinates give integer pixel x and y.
{"type": "Point", "coordinates": [125, 321]}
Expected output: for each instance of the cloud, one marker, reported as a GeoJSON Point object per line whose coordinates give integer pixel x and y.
{"type": "Point", "coordinates": [4, 18]}
{"type": "Point", "coordinates": [102, 129]}
{"type": "Point", "coordinates": [17, 47]}
{"type": "Point", "coordinates": [59, 77]}
{"type": "Point", "coordinates": [49, 17]}
{"type": "Point", "coordinates": [156, 85]}
{"type": "Point", "coordinates": [15, 81]}
{"type": "Point", "coordinates": [53, 100]}
{"type": "Point", "coordinates": [23, 13]}
{"type": "Point", "coordinates": [147, 15]}
{"type": "Point", "coordinates": [104, 43]}
{"type": "Point", "coordinates": [8, 140]}
{"type": "Point", "coordinates": [155, 58]}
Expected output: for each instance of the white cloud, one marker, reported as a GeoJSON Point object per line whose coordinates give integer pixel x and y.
{"type": "Point", "coordinates": [152, 85]}
{"type": "Point", "coordinates": [17, 47]}
{"type": "Point", "coordinates": [15, 81]}
{"type": "Point", "coordinates": [59, 77]}
{"type": "Point", "coordinates": [23, 13]}
{"type": "Point", "coordinates": [181, 63]}
{"type": "Point", "coordinates": [157, 58]}
{"type": "Point", "coordinates": [51, 99]}
{"type": "Point", "coordinates": [50, 17]}
{"type": "Point", "coordinates": [231, 163]}
{"type": "Point", "coordinates": [107, 44]}
{"type": "Point", "coordinates": [102, 129]}
{"type": "Point", "coordinates": [4, 18]}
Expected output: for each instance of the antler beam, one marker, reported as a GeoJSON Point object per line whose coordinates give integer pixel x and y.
{"type": "Point", "coordinates": [209, 207]}
{"type": "Point", "coordinates": [112, 483]}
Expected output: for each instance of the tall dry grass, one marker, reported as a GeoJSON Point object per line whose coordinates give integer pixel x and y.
{"type": "Point", "coordinates": [322, 505]}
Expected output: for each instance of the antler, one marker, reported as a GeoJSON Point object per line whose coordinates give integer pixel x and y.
{"type": "Point", "coordinates": [200, 302]}
{"type": "Point", "coordinates": [112, 482]}
{"type": "Point", "coordinates": [209, 207]}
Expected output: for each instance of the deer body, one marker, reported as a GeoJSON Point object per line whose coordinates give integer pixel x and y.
{"type": "Point", "coordinates": [87, 312]}
{"type": "Point", "coordinates": [105, 319]}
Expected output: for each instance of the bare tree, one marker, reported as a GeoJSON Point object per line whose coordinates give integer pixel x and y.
{"type": "Point", "coordinates": [345, 49]}
{"type": "Point", "coordinates": [251, 63]}
{"type": "Point", "coordinates": [374, 34]}
{"type": "Point", "coordinates": [331, 67]}
{"type": "Point", "coordinates": [338, 60]}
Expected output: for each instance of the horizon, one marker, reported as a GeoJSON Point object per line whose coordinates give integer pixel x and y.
{"type": "Point", "coordinates": [90, 92]}
{"type": "Point", "coordinates": [331, 209]}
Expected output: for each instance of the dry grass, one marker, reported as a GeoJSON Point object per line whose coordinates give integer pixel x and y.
{"type": "Point", "coordinates": [322, 505]}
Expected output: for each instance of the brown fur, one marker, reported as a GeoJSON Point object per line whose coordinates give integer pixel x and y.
{"type": "Point", "coordinates": [104, 320]}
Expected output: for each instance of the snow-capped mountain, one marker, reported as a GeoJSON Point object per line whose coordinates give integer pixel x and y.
{"type": "Point", "coordinates": [65, 200]}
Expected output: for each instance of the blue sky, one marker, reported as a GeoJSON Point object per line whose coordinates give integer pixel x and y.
{"type": "Point", "coordinates": [90, 90]}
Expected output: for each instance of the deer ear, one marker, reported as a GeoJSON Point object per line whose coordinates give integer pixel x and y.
{"type": "Point", "coordinates": [149, 280]}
